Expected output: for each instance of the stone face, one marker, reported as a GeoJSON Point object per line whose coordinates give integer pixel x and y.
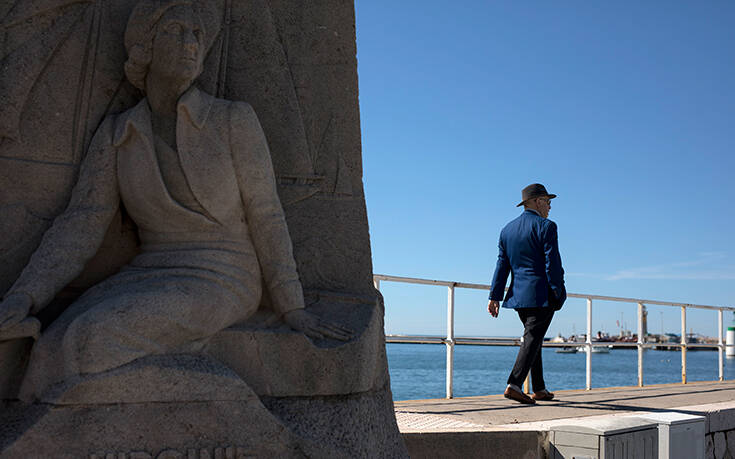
{"type": "Point", "coordinates": [163, 250]}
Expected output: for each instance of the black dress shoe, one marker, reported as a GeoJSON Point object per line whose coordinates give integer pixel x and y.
{"type": "Point", "coordinates": [543, 396]}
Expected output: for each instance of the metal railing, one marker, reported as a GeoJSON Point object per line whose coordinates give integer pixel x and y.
{"type": "Point", "coordinates": [451, 340]}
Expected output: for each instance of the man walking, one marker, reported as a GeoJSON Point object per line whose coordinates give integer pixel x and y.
{"type": "Point", "coordinates": [529, 251]}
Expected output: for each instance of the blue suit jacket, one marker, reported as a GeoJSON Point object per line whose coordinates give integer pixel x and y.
{"type": "Point", "coordinates": [529, 250]}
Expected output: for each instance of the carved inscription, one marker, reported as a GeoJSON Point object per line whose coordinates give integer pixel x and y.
{"type": "Point", "coordinates": [225, 452]}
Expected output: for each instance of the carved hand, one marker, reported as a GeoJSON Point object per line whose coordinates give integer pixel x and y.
{"type": "Point", "coordinates": [314, 327]}
{"type": "Point", "coordinates": [13, 309]}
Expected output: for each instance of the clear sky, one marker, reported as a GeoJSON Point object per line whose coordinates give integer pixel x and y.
{"type": "Point", "coordinates": [624, 109]}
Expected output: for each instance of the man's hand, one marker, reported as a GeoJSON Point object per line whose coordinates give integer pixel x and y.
{"type": "Point", "coordinates": [13, 309]}
{"type": "Point", "coordinates": [493, 307]}
{"type": "Point", "coordinates": [314, 327]}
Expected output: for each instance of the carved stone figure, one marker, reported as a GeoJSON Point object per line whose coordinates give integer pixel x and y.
{"type": "Point", "coordinates": [195, 174]}
{"type": "Point", "coordinates": [169, 292]}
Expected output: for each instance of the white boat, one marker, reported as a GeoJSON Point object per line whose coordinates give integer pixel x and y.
{"type": "Point", "coordinates": [596, 349]}
{"type": "Point", "coordinates": [566, 350]}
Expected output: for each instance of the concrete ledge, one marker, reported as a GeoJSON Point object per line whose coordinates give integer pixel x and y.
{"type": "Point", "coordinates": [468, 445]}
{"type": "Point", "coordinates": [491, 426]}
{"type": "Point", "coordinates": [720, 417]}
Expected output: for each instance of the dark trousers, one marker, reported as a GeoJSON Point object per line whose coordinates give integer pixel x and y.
{"type": "Point", "coordinates": [535, 323]}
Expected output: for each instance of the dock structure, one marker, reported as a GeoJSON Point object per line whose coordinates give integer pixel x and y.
{"type": "Point", "coordinates": [492, 426]}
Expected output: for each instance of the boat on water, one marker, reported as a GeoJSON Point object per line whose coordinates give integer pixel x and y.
{"type": "Point", "coordinates": [583, 349]}
{"type": "Point", "coordinates": [567, 350]}
{"type": "Point", "coordinates": [596, 349]}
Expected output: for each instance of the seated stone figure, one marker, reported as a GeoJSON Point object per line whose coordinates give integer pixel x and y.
{"type": "Point", "coordinates": [194, 172]}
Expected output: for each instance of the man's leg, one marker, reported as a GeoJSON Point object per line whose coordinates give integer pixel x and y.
{"type": "Point", "coordinates": [537, 377]}
{"type": "Point", "coordinates": [537, 368]}
{"type": "Point", "coordinates": [537, 373]}
{"type": "Point", "coordinates": [535, 322]}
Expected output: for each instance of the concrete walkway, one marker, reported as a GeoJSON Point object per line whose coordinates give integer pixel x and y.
{"type": "Point", "coordinates": [440, 427]}
{"type": "Point", "coordinates": [492, 411]}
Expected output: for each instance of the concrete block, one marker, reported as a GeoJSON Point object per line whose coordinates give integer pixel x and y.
{"type": "Point", "coordinates": [720, 445]}
{"type": "Point", "coordinates": [721, 420]}
{"type": "Point", "coordinates": [581, 440]}
{"type": "Point", "coordinates": [731, 442]}
{"type": "Point", "coordinates": [680, 436]}
{"type": "Point", "coordinates": [617, 437]}
{"type": "Point", "coordinates": [480, 445]}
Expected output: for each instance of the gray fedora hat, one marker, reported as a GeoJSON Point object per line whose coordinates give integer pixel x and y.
{"type": "Point", "coordinates": [534, 190]}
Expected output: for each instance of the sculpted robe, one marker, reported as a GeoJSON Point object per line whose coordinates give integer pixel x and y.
{"type": "Point", "coordinates": [204, 250]}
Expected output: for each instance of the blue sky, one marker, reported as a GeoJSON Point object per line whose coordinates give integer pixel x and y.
{"type": "Point", "coordinates": [624, 109]}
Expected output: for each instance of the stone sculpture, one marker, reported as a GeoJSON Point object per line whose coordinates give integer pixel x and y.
{"type": "Point", "coordinates": [195, 175]}
{"type": "Point", "coordinates": [184, 330]}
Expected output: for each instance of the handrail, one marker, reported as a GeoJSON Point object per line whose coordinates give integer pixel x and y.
{"type": "Point", "coordinates": [619, 299]}
{"type": "Point", "coordinates": [450, 340]}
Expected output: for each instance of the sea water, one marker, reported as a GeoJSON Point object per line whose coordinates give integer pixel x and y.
{"type": "Point", "coordinates": [418, 371]}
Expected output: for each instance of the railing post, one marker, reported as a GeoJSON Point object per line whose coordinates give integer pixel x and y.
{"type": "Point", "coordinates": [683, 345]}
{"type": "Point", "coordinates": [450, 341]}
{"type": "Point", "coordinates": [640, 344]}
{"type": "Point", "coordinates": [527, 382]}
{"type": "Point", "coordinates": [588, 383]}
{"type": "Point", "coordinates": [719, 345]}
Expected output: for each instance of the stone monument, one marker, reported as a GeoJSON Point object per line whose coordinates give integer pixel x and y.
{"type": "Point", "coordinates": [186, 267]}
